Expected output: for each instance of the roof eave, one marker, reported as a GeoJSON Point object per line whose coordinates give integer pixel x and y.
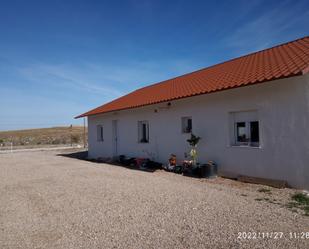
{"type": "Point", "coordinates": [86, 114]}
{"type": "Point", "coordinates": [305, 70]}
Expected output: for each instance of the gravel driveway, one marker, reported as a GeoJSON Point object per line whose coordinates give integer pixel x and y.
{"type": "Point", "coordinates": [52, 201]}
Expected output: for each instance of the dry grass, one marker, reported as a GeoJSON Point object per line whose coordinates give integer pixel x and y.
{"type": "Point", "coordinates": [44, 136]}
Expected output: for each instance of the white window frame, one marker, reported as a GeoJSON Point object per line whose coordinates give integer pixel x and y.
{"type": "Point", "coordinates": [184, 124]}
{"type": "Point", "coordinates": [100, 133]}
{"type": "Point", "coordinates": [247, 133]}
{"type": "Point", "coordinates": [246, 117]}
{"type": "Point", "coordinates": [140, 125]}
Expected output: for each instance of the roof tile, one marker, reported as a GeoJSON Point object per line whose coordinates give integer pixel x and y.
{"type": "Point", "coordinates": [285, 60]}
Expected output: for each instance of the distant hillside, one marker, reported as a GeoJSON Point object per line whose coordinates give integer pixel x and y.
{"type": "Point", "coordinates": [44, 136]}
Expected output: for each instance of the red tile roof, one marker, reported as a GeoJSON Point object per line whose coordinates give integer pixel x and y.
{"type": "Point", "coordinates": [282, 61]}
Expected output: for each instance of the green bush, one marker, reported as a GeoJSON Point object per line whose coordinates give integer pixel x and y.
{"type": "Point", "coordinates": [301, 198]}
{"type": "Point", "coordinates": [300, 201]}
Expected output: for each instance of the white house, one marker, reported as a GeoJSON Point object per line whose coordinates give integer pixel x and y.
{"type": "Point", "coordinates": [251, 112]}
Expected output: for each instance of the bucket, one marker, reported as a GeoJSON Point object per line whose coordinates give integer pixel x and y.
{"type": "Point", "coordinates": [212, 169]}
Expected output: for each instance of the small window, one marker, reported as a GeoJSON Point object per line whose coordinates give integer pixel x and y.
{"type": "Point", "coordinates": [143, 132]}
{"type": "Point", "coordinates": [246, 129]}
{"type": "Point", "coordinates": [241, 132]}
{"type": "Point", "coordinates": [186, 125]}
{"type": "Point", "coordinates": [247, 133]}
{"type": "Point", "coordinates": [99, 133]}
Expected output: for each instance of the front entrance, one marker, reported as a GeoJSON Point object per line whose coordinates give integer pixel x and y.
{"type": "Point", "coordinates": [115, 137]}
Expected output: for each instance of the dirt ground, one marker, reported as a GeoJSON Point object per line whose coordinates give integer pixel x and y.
{"type": "Point", "coordinates": [48, 200]}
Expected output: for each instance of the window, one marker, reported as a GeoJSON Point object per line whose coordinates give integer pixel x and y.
{"type": "Point", "coordinates": [143, 132]}
{"type": "Point", "coordinates": [186, 124]}
{"type": "Point", "coordinates": [241, 132]}
{"type": "Point", "coordinates": [245, 129]}
{"type": "Point", "coordinates": [254, 132]}
{"type": "Point", "coordinates": [99, 133]}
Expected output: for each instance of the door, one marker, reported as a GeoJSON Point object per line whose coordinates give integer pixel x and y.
{"type": "Point", "coordinates": [115, 138]}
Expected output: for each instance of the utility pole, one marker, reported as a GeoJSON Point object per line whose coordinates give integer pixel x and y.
{"type": "Point", "coordinates": [71, 135]}
{"type": "Point", "coordinates": [84, 132]}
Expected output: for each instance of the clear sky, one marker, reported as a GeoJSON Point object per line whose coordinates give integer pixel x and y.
{"type": "Point", "coordinates": [61, 58]}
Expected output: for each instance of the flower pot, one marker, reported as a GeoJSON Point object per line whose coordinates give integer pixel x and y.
{"type": "Point", "coordinates": [212, 169]}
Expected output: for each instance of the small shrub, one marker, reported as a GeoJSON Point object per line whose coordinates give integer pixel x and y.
{"type": "Point", "coordinates": [292, 204]}
{"type": "Point", "coordinates": [75, 139]}
{"type": "Point", "coordinates": [300, 201]}
{"type": "Point", "coordinates": [56, 141]}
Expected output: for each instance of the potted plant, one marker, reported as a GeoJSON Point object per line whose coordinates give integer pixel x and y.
{"type": "Point", "coordinates": [193, 141]}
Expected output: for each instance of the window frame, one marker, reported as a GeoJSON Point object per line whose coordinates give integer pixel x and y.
{"type": "Point", "coordinates": [248, 134]}
{"type": "Point", "coordinates": [249, 124]}
{"type": "Point", "coordinates": [185, 125]}
{"type": "Point", "coordinates": [140, 130]}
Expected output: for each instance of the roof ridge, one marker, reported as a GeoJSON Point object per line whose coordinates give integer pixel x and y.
{"type": "Point", "coordinates": [223, 62]}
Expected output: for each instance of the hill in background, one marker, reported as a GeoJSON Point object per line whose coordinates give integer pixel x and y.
{"type": "Point", "coordinates": [45, 136]}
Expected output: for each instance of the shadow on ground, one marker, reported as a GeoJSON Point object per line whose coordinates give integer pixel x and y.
{"type": "Point", "coordinates": [83, 155]}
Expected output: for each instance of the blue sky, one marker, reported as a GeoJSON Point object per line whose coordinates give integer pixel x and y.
{"type": "Point", "coordinates": [61, 58]}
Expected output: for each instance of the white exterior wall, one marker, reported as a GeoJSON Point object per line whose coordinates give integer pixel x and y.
{"type": "Point", "coordinates": [283, 111]}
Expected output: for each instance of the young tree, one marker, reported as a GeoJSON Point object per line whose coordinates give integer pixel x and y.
{"type": "Point", "coordinates": [193, 141]}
